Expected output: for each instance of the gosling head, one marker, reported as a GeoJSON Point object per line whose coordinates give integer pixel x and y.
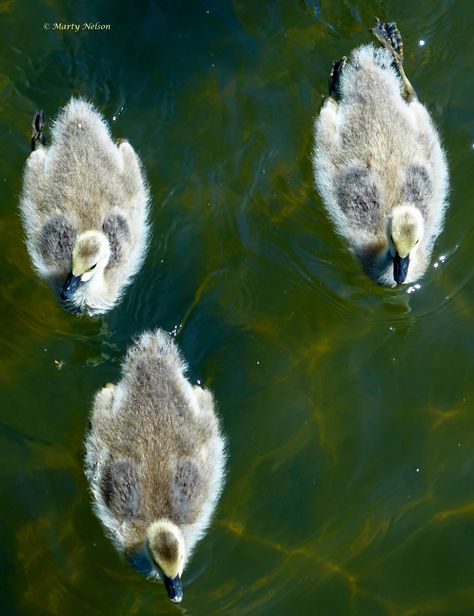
{"type": "Point", "coordinates": [405, 229]}
{"type": "Point", "coordinates": [90, 255]}
{"type": "Point", "coordinates": [168, 551]}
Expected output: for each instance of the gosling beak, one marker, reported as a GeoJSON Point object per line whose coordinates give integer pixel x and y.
{"type": "Point", "coordinates": [70, 285]}
{"type": "Point", "coordinates": [174, 588]}
{"type": "Point", "coordinates": [400, 268]}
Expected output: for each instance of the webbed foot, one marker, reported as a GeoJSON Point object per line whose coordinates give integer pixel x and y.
{"type": "Point", "coordinates": [335, 76]}
{"type": "Point", "coordinates": [37, 135]}
{"type": "Point", "coordinates": [389, 36]}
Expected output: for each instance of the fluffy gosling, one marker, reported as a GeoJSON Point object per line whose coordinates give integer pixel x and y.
{"type": "Point", "coordinates": [155, 459]}
{"type": "Point", "coordinates": [84, 207]}
{"type": "Point", "coordinates": [378, 162]}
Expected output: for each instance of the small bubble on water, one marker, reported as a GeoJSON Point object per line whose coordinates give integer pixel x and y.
{"type": "Point", "coordinates": [421, 42]}
{"type": "Point", "coordinates": [175, 331]}
{"type": "Point", "coordinates": [417, 470]}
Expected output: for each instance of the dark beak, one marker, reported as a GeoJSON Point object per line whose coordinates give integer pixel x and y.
{"type": "Point", "coordinates": [174, 588]}
{"type": "Point", "coordinates": [70, 285]}
{"type": "Point", "coordinates": [400, 268]}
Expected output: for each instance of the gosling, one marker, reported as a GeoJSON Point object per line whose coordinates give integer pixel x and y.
{"type": "Point", "coordinates": [84, 207]}
{"type": "Point", "coordinates": [155, 458]}
{"type": "Point", "coordinates": [378, 162]}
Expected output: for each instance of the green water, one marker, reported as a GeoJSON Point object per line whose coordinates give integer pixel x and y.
{"type": "Point", "coordinates": [349, 408]}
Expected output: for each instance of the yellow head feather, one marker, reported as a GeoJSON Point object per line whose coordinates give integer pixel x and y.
{"type": "Point", "coordinates": [406, 228]}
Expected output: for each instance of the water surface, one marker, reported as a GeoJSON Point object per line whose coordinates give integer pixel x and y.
{"type": "Point", "coordinates": [349, 408]}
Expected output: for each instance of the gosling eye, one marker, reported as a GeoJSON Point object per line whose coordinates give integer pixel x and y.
{"type": "Point", "coordinates": [91, 268]}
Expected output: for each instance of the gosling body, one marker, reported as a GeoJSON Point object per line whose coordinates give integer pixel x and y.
{"type": "Point", "coordinates": [84, 207]}
{"type": "Point", "coordinates": [155, 459]}
{"type": "Point", "coordinates": [378, 162]}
